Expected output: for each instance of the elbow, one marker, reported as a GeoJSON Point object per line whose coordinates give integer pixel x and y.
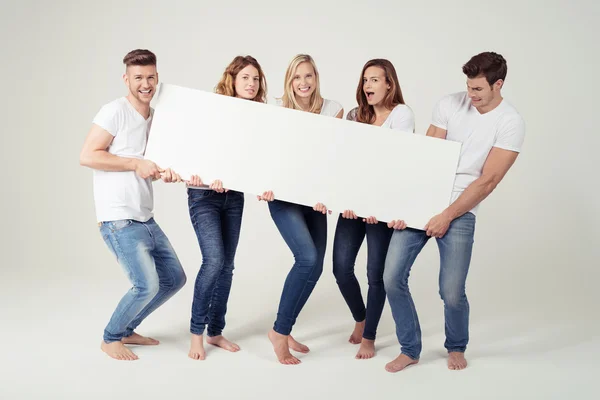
{"type": "Point", "coordinates": [490, 183]}
{"type": "Point", "coordinates": [84, 159]}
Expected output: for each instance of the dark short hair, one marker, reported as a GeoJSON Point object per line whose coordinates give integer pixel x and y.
{"type": "Point", "coordinates": [489, 64]}
{"type": "Point", "coordinates": [139, 57]}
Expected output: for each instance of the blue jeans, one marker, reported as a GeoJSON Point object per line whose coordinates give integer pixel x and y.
{"type": "Point", "coordinates": [305, 232]}
{"type": "Point", "coordinates": [455, 256]}
{"type": "Point", "coordinates": [150, 263]}
{"type": "Point", "coordinates": [217, 220]}
{"type": "Point", "coordinates": [349, 235]}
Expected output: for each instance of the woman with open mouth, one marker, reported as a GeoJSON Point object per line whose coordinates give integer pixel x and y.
{"type": "Point", "coordinates": [380, 103]}
{"type": "Point", "coordinates": [303, 228]}
{"type": "Point", "coordinates": [216, 214]}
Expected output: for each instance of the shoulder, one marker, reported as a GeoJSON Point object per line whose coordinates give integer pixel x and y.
{"type": "Point", "coordinates": [403, 110]}
{"type": "Point", "coordinates": [453, 100]}
{"type": "Point", "coordinates": [331, 107]}
{"type": "Point", "coordinates": [351, 116]}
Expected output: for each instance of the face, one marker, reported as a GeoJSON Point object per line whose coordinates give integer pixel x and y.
{"type": "Point", "coordinates": [480, 91]}
{"type": "Point", "coordinates": [375, 85]}
{"type": "Point", "coordinates": [141, 81]}
{"type": "Point", "coordinates": [247, 83]}
{"type": "Point", "coordinates": [304, 82]}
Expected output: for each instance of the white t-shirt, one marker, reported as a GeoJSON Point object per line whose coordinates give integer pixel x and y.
{"type": "Point", "coordinates": [123, 195]}
{"type": "Point", "coordinates": [401, 118]}
{"type": "Point", "coordinates": [330, 108]}
{"type": "Point", "coordinates": [503, 127]}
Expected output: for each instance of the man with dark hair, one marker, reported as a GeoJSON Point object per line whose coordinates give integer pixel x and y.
{"type": "Point", "coordinates": [492, 133]}
{"type": "Point", "coordinates": [114, 149]}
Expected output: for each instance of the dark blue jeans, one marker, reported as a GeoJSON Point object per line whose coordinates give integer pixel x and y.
{"type": "Point", "coordinates": [305, 232]}
{"type": "Point", "coordinates": [217, 220]}
{"type": "Point", "coordinates": [349, 235]}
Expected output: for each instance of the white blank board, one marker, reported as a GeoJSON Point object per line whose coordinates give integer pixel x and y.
{"type": "Point", "coordinates": [304, 158]}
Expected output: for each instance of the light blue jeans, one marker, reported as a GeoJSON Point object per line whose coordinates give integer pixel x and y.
{"type": "Point", "coordinates": [455, 256]}
{"type": "Point", "coordinates": [150, 263]}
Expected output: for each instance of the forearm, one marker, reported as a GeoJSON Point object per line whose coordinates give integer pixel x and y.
{"type": "Point", "coordinates": [474, 194]}
{"type": "Point", "coordinates": [104, 161]}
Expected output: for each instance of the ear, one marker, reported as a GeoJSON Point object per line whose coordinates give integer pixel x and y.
{"type": "Point", "coordinates": [498, 84]}
{"type": "Point", "coordinates": [125, 79]}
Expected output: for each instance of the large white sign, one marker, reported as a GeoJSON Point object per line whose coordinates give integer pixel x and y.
{"type": "Point", "coordinates": [304, 158]}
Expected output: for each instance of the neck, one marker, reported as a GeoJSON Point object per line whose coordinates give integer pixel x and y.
{"type": "Point", "coordinates": [142, 108]}
{"type": "Point", "coordinates": [304, 102]}
{"type": "Point", "coordinates": [490, 106]}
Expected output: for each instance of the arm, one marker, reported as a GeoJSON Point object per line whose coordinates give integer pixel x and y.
{"type": "Point", "coordinates": [94, 155]}
{"type": "Point", "coordinates": [498, 162]}
{"type": "Point", "coordinates": [436, 132]}
{"type": "Point", "coordinates": [340, 114]}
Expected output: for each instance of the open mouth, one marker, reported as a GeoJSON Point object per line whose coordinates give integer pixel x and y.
{"type": "Point", "coordinates": [145, 92]}
{"type": "Point", "coordinates": [370, 95]}
{"type": "Point", "coordinates": [304, 89]}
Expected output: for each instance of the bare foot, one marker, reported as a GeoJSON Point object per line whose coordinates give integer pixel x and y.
{"type": "Point", "coordinates": [367, 349]}
{"type": "Point", "coordinates": [297, 346]}
{"type": "Point", "coordinates": [356, 336]}
{"type": "Point", "coordinates": [139, 339]}
{"type": "Point", "coordinates": [223, 343]}
{"type": "Point", "coordinates": [118, 351]}
{"type": "Point", "coordinates": [456, 360]}
{"type": "Point", "coordinates": [197, 348]}
{"type": "Point", "coordinates": [401, 362]}
{"type": "Point", "coordinates": [281, 347]}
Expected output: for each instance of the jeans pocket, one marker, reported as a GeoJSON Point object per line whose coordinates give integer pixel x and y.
{"type": "Point", "coordinates": [199, 194]}
{"type": "Point", "coordinates": [120, 224]}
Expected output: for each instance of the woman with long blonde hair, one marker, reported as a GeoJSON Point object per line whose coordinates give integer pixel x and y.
{"type": "Point", "coordinates": [380, 103]}
{"type": "Point", "coordinates": [303, 228]}
{"type": "Point", "coordinates": [216, 215]}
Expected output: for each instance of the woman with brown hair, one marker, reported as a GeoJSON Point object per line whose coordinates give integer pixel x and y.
{"type": "Point", "coordinates": [380, 103]}
{"type": "Point", "coordinates": [216, 214]}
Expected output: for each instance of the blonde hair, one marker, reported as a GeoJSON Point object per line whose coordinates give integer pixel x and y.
{"type": "Point", "coordinates": [289, 97]}
{"type": "Point", "coordinates": [226, 85]}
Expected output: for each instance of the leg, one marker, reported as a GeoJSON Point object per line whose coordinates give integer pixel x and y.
{"type": "Point", "coordinates": [404, 247]}
{"type": "Point", "coordinates": [456, 247]}
{"type": "Point", "coordinates": [349, 235]}
{"type": "Point", "coordinates": [171, 277]}
{"type": "Point", "coordinates": [205, 213]}
{"type": "Point", "coordinates": [231, 223]}
{"type": "Point", "coordinates": [378, 240]}
{"type": "Point", "coordinates": [131, 243]}
{"type": "Point", "coordinates": [316, 223]}
{"type": "Point", "coordinates": [291, 223]}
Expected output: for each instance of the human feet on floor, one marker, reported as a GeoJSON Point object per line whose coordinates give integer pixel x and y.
{"type": "Point", "coordinates": [356, 336]}
{"type": "Point", "coordinates": [197, 348]}
{"type": "Point", "coordinates": [139, 340]}
{"type": "Point", "coordinates": [401, 362]}
{"type": "Point", "coordinates": [223, 343]}
{"type": "Point", "coordinates": [118, 351]}
{"type": "Point", "coordinates": [282, 350]}
{"type": "Point", "coordinates": [366, 350]}
{"type": "Point", "coordinates": [456, 361]}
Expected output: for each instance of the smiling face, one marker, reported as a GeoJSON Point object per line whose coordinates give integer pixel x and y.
{"type": "Point", "coordinates": [304, 82]}
{"type": "Point", "coordinates": [141, 81]}
{"type": "Point", "coordinates": [375, 85]}
{"type": "Point", "coordinates": [247, 83]}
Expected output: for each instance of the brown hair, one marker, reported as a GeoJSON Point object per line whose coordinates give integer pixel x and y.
{"type": "Point", "coordinates": [226, 85]}
{"type": "Point", "coordinates": [366, 113]}
{"type": "Point", "coordinates": [139, 57]}
{"type": "Point", "coordinates": [489, 64]}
